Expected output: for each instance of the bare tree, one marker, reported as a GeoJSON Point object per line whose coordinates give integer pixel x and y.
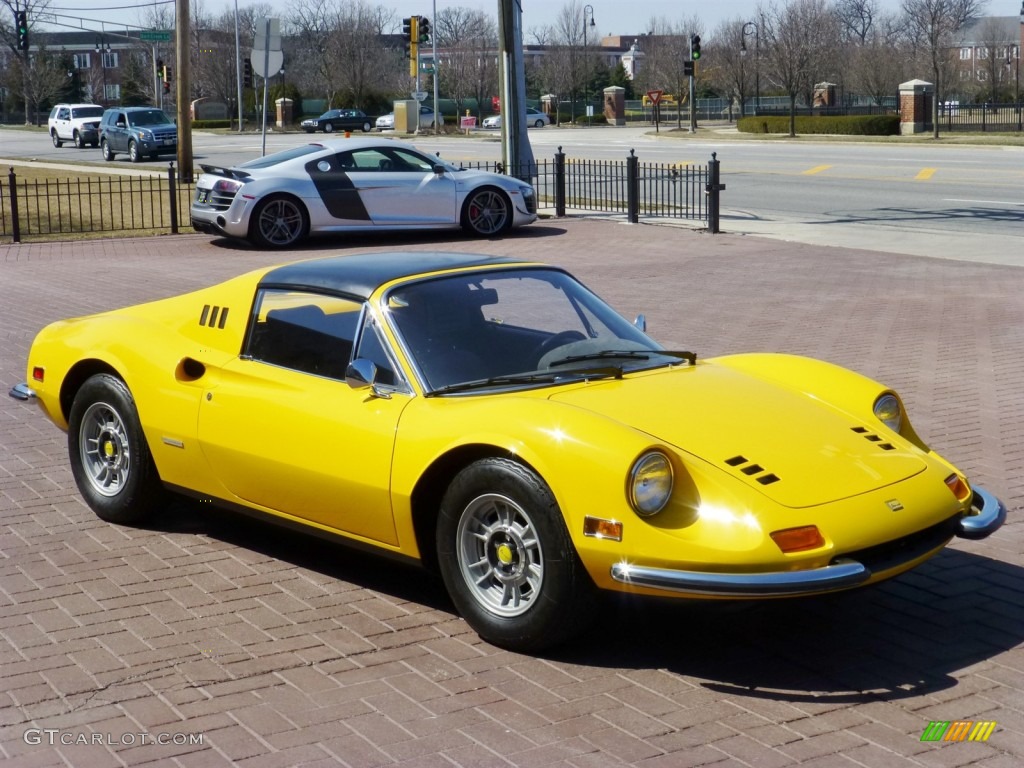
{"type": "Point", "coordinates": [996, 41]}
{"type": "Point", "coordinates": [857, 19]}
{"type": "Point", "coordinates": [880, 63]}
{"type": "Point", "coordinates": [735, 71]}
{"type": "Point", "coordinates": [469, 66]}
{"type": "Point", "coordinates": [933, 25]}
{"type": "Point", "coordinates": [801, 38]}
{"type": "Point", "coordinates": [667, 48]}
{"type": "Point", "coordinates": [568, 65]}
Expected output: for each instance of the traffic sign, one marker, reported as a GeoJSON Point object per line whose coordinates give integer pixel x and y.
{"type": "Point", "coordinates": [654, 96]}
{"type": "Point", "coordinates": [155, 35]}
{"type": "Point", "coordinates": [420, 95]}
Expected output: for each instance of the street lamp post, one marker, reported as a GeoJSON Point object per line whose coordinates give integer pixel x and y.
{"type": "Point", "coordinates": [587, 9]}
{"type": "Point", "coordinates": [757, 60]}
{"type": "Point", "coordinates": [101, 51]}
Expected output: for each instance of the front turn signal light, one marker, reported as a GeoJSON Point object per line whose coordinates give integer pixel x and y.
{"type": "Point", "coordinates": [599, 528]}
{"type": "Point", "coordinates": [798, 539]}
{"type": "Point", "coordinates": [958, 487]}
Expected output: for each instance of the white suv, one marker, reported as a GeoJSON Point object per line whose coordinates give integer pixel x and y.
{"type": "Point", "coordinates": [79, 123]}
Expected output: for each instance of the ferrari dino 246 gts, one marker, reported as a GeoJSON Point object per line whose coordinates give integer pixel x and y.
{"type": "Point", "coordinates": [495, 420]}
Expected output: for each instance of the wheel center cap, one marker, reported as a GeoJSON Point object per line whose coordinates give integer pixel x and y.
{"type": "Point", "coordinates": [108, 448]}
{"type": "Point", "coordinates": [504, 553]}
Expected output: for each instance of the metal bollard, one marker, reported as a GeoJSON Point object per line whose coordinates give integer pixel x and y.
{"type": "Point", "coordinates": [15, 223]}
{"type": "Point", "coordinates": [712, 190]}
{"type": "Point", "coordinates": [174, 198]}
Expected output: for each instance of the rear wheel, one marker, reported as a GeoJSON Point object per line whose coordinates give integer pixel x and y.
{"type": "Point", "coordinates": [105, 149]}
{"type": "Point", "coordinates": [507, 559]}
{"type": "Point", "coordinates": [56, 139]}
{"type": "Point", "coordinates": [366, 127]}
{"type": "Point", "coordinates": [278, 222]}
{"type": "Point", "coordinates": [487, 212]}
{"type": "Point", "coordinates": [110, 459]}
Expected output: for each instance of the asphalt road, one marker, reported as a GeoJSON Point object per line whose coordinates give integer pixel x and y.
{"type": "Point", "coordinates": [960, 202]}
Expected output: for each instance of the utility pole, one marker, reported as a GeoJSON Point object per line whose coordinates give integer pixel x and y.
{"type": "Point", "coordinates": [185, 158]}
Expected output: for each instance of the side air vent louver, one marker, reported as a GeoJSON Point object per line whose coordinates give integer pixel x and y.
{"type": "Point", "coordinates": [872, 437]}
{"type": "Point", "coordinates": [213, 317]}
{"type": "Point", "coordinates": [752, 469]}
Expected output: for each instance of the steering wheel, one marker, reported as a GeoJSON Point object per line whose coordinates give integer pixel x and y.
{"type": "Point", "coordinates": [554, 342]}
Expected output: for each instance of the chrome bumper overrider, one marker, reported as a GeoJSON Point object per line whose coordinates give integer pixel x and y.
{"type": "Point", "coordinates": [22, 392]}
{"type": "Point", "coordinates": [987, 515]}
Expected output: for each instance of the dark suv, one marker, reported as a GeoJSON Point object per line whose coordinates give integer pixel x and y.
{"type": "Point", "coordinates": [139, 131]}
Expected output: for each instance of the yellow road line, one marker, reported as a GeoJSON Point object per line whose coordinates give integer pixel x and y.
{"type": "Point", "coordinates": [925, 174]}
{"type": "Point", "coordinates": [816, 169]}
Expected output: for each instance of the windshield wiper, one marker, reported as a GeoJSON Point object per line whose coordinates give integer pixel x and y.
{"type": "Point", "coordinates": [529, 378]}
{"type": "Point", "coordinates": [632, 354]}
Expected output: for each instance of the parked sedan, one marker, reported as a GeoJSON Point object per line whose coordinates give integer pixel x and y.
{"type": "Point", "coordinates": [346, 185]}
{"type": "Point", "coordinates": [494, 420]}
{"type": "Point", "coordinates": [534, 119]}
{"type": "Point", "coordinates": [387, 122]}
{"type": "Point", "coordinates": [339, 120]}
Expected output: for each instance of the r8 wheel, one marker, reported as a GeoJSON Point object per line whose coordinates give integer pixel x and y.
{"type": "Point", "coordinates": [278, 221]}
{"type": "Point", "coordinates": [109, 456]}
{"type": "Point", "coordinates": [487, 212]}
{"type": "Point", "coordinates": [507, 559]}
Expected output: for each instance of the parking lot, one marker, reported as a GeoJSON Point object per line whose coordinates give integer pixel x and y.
{"type": "Point", "coordinates": [207, 640]}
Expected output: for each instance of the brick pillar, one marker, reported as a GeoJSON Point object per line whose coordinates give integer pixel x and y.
{"type": "Point", "coordinates": [916, 107]}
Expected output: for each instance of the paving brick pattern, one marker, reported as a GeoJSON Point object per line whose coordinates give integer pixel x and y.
{"type": "Point", "coordinates": [279, 650]}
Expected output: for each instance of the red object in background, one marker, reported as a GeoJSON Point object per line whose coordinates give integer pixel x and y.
{"type": "Point", "coordinates": [495, 103]}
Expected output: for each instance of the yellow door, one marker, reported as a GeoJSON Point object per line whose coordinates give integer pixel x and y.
{"type": "Point", "coordinates": [307, 446]}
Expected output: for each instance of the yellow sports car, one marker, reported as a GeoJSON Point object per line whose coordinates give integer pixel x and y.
{"type": "Point", "coordinates": [495, 420]}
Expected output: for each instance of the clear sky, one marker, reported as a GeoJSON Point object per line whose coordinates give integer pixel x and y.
{"type": "Point", "coordinates": [612, 17]}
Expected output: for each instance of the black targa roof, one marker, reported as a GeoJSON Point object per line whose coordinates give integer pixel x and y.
{"type": "Point", "coordinates": [360, 275]}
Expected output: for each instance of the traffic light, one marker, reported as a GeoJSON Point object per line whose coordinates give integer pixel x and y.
{"type": "Point", "coordinates": [167, 73]}
{"type": "Point", "coordinates": [694, 47]}
{"type": "Point", "coordinates": [414, 47]}
{"type": "Point", "coordinates": [21, 17]}
{"type": "Point", "coordinates": [423, 29]}
{"type": "Point", "coordinates": [247, 73]}
{"type": "Point", "coordinates": [687, 69]}
{"type": "Point", "coordinates": [407, 28]}
{"type": "Point", "coordinates": [167, 87]}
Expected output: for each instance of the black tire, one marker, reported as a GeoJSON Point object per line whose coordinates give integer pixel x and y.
{"type": "Point", "coordinates": [110, 459]}
{"type": "Point", "coordinates": [539, 124]}
{"type": "Point", "coordinates": [56, 140]}
{"type": "Point", "coordinates": [279, 221]}
{"type": "Point", "coordinates": [105, 149]}
{"type": "Point", "coordinates": [133, 152]}
{"type": "Point", "coordinates": [507, 559]}
{"type": "Point", "coordinates": [328, 127]}
{"type": "Point", "coordinates": [78, 140]}
{"type": "Point", "coordinates": [366, 127]}
{"type": "Point", "coordinates": [487, 212]}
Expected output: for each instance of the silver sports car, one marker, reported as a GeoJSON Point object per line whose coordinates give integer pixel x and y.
{"type": "Point", "coordinates": [345, 185]}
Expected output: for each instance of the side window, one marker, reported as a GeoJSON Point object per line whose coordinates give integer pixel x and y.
{"type": "Point", "coordinates": [373, 348]}
{"type": "Point", "coordinates": [305, 332]}
{"type": "Point", "coordinates": [407, 161]}
{"type": "Point", "coordinates": [370, 160]}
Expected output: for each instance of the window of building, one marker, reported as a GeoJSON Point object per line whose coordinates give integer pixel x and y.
{"type": "Point", "coordinates": [109, 60]}
{"type": "Point", "coordinates": [983, 53]}
{"type": "Point", "coordinates": [81, 61]}
{"type": "Point", "coordinates": [965, 54]}
{"type": "Point", "coordinates": [112, 92]}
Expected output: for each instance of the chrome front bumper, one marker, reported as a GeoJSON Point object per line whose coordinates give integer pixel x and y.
{"type": "Point", "coordinates": [987, 515]}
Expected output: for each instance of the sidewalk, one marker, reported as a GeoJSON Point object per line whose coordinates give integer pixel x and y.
{"type": "Point", "coordinates": [237, 644]}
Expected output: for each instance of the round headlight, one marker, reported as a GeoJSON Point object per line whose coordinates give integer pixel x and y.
{"type": "Point", "coordinates": [889, 412]}
{"type": "Point", "coordinates": [650, 483]}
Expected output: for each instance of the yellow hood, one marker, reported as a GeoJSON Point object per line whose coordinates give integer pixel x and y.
{"type": "Point", "coordinates": [797, 450]}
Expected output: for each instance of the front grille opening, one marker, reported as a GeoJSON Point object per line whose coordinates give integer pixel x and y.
{"type": "Point", "coordinates": [890, 554]}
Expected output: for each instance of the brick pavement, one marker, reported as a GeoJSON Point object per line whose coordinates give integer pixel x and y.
{"type": "Point", "coordinates": [285, 651]}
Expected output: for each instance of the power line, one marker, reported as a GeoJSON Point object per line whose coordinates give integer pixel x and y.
{"type": "Point", "coordinates": [113, 7]}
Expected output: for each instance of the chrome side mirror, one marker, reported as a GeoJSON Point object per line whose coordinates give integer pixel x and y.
{"type": "Point", "coordinates": [361, 374]}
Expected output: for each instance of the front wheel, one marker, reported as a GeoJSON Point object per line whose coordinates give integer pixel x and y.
{"type": "Point", "coordinates": [539, 124]}
{"type": "Point", "coordinates": [507, 559]}
{"type": "Point", "coordinates": [105, 149]}
{"type": "Point", "coordinates": [133, 152]}
{"type": "Point", "coordinates": [328, 127]}
{"type": "Point", "coordinates": [278, 222]}
{"type": "Point", "coordinates": [56, 139]}
{"type": "Point", "coordinates": [487, 212]}
{"type": "Point", "coordinates": [109, 456]}
{"type": "Point", "coordinates": [78, 140]}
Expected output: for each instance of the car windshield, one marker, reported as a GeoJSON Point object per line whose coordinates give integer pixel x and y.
{"type": "Point", "coordinates": [515, 328]}
{"type": "Point", "coordinates": [281, 157]}
{"type": "Point", "coordinates": [87, 112]}
{"type": "Point", "coordinates": [148, 117]}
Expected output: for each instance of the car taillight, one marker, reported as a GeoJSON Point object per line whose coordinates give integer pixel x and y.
{"type": "Point", "coordinates": [38, 373]}
{"type": "Point", "coordinates": [226, 185]}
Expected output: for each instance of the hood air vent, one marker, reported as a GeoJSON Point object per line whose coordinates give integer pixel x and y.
{"type": "Point", "coordinates": [213, 317]}
{"type": "Point", "coordinates": [873, 438]}
{"type": "Point", "coordinates": [752, 469]}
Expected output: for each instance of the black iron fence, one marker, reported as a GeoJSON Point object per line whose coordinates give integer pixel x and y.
{"type": "Point", "coordinates": [954, 116]}
{"type": "Point", "coordinates": [160, 203]}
